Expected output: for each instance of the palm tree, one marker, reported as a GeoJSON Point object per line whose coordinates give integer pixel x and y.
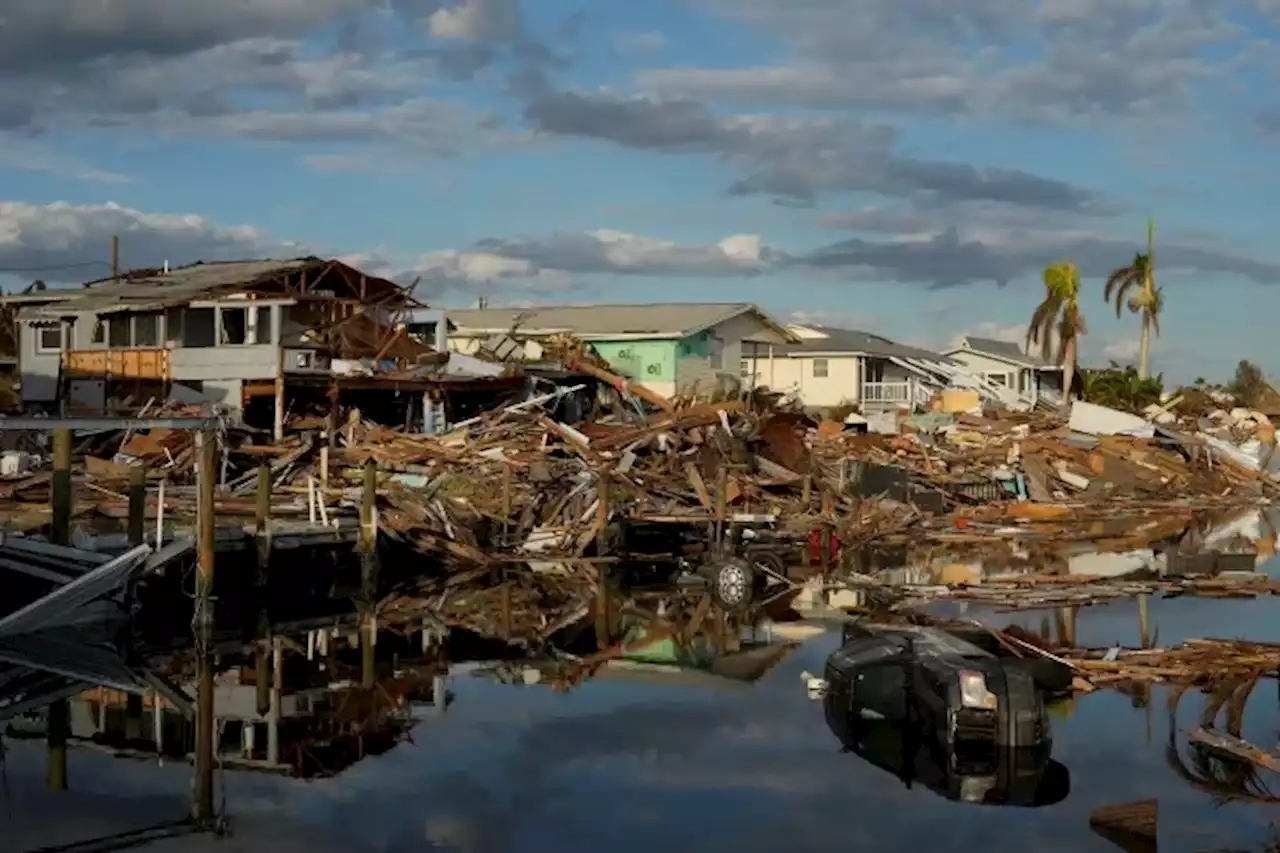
{"type": "Point", "coordinates": [1147, 300]}
{"type": "Point", "coordinates": [1058, 316]}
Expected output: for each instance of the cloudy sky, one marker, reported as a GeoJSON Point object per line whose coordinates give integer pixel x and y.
{"type": "Point", "coordinates": [899, 166]}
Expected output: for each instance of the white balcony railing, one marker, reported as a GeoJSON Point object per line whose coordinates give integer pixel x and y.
{"type": "Point", "coordinates": [886, 392]}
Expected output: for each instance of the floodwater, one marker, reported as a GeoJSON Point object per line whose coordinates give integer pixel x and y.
{"type": "Point", "coordinates": [638, 767]}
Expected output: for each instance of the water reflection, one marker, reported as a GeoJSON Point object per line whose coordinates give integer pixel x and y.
{"type": "Point", "coordinates": [641, 753]}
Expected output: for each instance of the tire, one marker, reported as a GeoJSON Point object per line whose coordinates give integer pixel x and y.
{"type": "Point", "coordinates": [732, 583]}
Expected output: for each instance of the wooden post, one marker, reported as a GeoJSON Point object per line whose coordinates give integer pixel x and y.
{"type": "Point", "coordinates": [602, 549]}
{"type": "Point", "coordinates": [1144, 621]}
{"type": "Point", "coordinates": [206, 453]}
{"type": "Point", "coordinates": [277, 432]}
{"type": "Point", "coordinates": [137, 504]}
{"type": "Point", "coordinates": [115, 255]}
{"type": "Point", "coordinates": [58, 719]}
{"type": "Point", "coordinates": [262, 514]}
{"type": "Point", "coordinates": [60, 487]}
{"type": "Point", "coordinates": [506, 533]}
{"type": "Point", "coordinates": [368, 545]}
{"type": "Point", "coordinates": [722, 496]}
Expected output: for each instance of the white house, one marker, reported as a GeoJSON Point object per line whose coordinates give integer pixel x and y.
{"type": "Point", "coordinates": [673, 348]}
{"type": "Point", "coordinates": [830, 367]}
{"type": "Point", "coordinates": [1006, 365]}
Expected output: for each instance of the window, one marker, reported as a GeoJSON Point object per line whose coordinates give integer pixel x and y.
{"type": "Point", "coordinates": [873, 370]}
{"type": "Point", "coordinates": [819, 368]}
{"type": "Point", "coordinates": [715, 353]}
{"type": "Point", "coordinates": [49, 339]}
{"type": "Point", "coordinates": [880, 692]}
{"type": "Point", "coordinates": [235, 325]}
{"type": "Point", "coordinates": [260, 324]}
{"type": "Point", "coordinates": [118, 330]}
{"type": "Point", "coordinates": [998, 378]}
{"type": "Point", "coordinates": [198, 328]}
{"type": "Point", "coordinates": [98, 335]}
{"type": "Point", "coordinates": [146, 330]}
{"type": "Point", "coordinates": [744, 368]}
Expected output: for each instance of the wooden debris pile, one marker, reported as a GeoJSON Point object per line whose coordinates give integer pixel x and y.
{"type": "Point", "coordinates": [1203, 663]}
{"type": "Point", "coordinates": [1041, 460]}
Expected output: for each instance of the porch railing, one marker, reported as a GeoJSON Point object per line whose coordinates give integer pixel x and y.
{"type": "Point", "coordinates": [886, 392]}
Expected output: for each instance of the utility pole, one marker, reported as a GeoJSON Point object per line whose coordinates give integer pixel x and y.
{"type": "Point", "coordinates": [115, 255]}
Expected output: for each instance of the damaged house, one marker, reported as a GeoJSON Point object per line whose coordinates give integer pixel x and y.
{"type": "Point", "coordinates": [264, 337]}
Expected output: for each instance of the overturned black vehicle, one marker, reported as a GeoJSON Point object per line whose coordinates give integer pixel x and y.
{"type": "Point", "coordinates": [933, 706]}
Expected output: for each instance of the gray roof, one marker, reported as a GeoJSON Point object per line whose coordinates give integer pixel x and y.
{"type": "Point", "coordinates": [851, 342]}
{"type": "Point", "coordinates": [1006, 350]}
{"type": "Point", "coordinates": [156, 290]}
{"type": "Point", "coordinates": [665, 320]}
{"type": "Point", "coordinates": [151, 290]}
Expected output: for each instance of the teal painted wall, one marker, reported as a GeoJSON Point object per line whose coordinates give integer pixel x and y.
{"type": "Point", "coordinates": [695, 346]}
{"type": "Point", "coordinates": [651, 361]}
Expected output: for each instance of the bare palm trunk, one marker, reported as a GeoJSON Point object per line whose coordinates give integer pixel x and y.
{"type": "Point", "coordinates": [1068, 369]}
{"type": "Point", "coordinates": [1144, 347]}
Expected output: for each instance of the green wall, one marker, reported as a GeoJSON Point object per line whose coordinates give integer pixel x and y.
{"type": "Point", "coordinates": [651, 361]}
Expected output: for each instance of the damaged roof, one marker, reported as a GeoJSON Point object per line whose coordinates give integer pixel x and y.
{"type": "Point", "coordinates": [851, 342]}
{"type": "Point", "coordinates": [645, 320]}
{"type": "Point", "coordinates": [155, 289]}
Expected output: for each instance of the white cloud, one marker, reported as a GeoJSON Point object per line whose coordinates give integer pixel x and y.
{"type": "Point", "coordinates": [477, 20]}
{"type": "Point", "coordinates": [836, 320]}
{"type": "Point", "coordinates": [1013, 333]}
{"type": "Point", "coordinates": [1123, 350]}
{"type": "Point", "coordinates": [559, 257]}
{"type": "Point", "coordinates": [69, 242]}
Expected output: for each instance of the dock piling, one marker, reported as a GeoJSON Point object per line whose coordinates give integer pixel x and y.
{"type": "Point", "coordinates": [368, 545]}
{"type": "Point", "coordinates": [58, 721]}
{"type": "Point", "coordinates": [206, 451]}
{"type": "Point", "coordinates": [137, 504]}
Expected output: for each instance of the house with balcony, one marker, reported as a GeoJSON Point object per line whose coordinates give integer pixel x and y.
{"type": "Point", "coordinates": [829, 367]}
{"type": "Point", "coordinates": [673, 348]}
{"type": "Point", "coordinates": [1008, 366]}
{"type": "Point", "coordinates": [233, 333]}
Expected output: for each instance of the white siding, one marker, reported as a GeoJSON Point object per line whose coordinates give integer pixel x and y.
{"type": "Point", "coordinates": [795, 373]}
{"type": "Point", "coordinates": [470, 344]}
{"type": "Point", "coordinates": [986, 366]}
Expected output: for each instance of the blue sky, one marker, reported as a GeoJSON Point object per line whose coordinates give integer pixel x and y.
{"type": "Point", "coordinates": [899, 166]}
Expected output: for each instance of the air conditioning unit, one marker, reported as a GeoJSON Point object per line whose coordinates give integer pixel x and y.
{"type": "Point", "coordinates": [304, 360]}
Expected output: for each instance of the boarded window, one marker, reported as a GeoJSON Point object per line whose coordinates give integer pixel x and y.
{"type": "Point", "coordinates": [819, 368]}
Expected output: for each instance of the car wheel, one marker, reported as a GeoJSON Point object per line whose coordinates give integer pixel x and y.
{"type": "Point", "coordinates": [732, 583]}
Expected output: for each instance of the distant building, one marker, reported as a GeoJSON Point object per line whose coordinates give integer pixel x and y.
{"type": "Point", "coordinates": [672, 348]}
{"type": "Point", "coordinates": [830, 367]}
{"type": "Point", "coordinates": [1006, 365]}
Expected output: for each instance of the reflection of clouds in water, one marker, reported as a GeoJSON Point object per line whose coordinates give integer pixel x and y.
{"type": "Point", "coordinates": [636, 768]}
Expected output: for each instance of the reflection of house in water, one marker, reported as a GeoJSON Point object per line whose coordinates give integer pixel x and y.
{"type": "Point", "coordinates": [659, 655]}
{"type": "Point", "coordinates": [307, 730]}
{"type": "Point", "coordinates": [304, 731]}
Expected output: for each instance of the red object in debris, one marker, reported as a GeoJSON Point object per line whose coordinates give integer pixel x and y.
{"type": "Point", "coordinates": [961, 522]}
{"type": "Point", "coordinates": [815, 547]}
